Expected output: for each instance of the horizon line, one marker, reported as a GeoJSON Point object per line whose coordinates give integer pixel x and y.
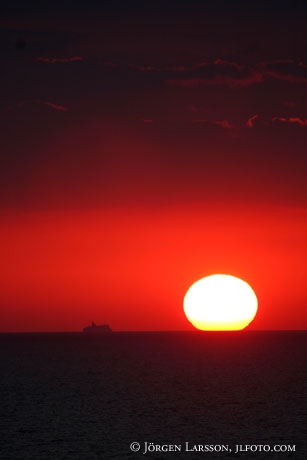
{"type": "Point", "coordinates": [152, 331]}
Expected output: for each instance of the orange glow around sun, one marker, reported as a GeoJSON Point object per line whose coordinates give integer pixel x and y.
{"type": "Point", "coordinates": [220, 303]}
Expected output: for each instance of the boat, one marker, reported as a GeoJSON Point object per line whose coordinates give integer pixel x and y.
{"type": "Point", "coordinates": [97, 329]}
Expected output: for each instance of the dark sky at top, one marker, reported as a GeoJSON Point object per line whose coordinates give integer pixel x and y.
{"type": "Point", "coordinates": [152, 103]}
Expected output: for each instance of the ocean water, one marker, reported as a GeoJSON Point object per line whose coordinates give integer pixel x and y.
{"type": "Point", "coordinates": [69, 396]}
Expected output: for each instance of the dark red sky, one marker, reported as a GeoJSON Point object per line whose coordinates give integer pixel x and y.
{"type": "Point", "coordinates": [144, 147]}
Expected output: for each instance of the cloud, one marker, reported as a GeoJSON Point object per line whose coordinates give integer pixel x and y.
{"type": "Point", "coordinates": [290, 78]}
{"type": "Point", "coordinates": [182, 68]}
{"type": "Point", "coordinates": [276, 61]}
{"type": "Point", "coordinates": [150, 68]}
{"type": "Point", "coordinates": [295, 120]}
{"type": "Point", "coordinates": [222, 62]}
{"type": "Point", "coordinates": [220, 72]}
{"type": "Point", "coordinates": [224, 73]}
{"type": "Point", "coordinates": [286, 70]}
{"type": "Point", "coordinates": [217, 72]}
{"type": "Point", "coordinates": [251, 121]}
{"type": "Point", "coordinates": [58, 60]}
{"type": "Point", "coordinates": [226, 80]}
{"type": "Point", "coordinates": [178, 68]}
{"type": "Point", "coordinates": [225, 124]}
{"type": "Point", "coordinates": [53, 106]}
{"type": "Point", "coordinates": [233, 74]}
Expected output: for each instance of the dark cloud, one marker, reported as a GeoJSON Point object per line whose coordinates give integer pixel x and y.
{"type": "Point", "coordinates": [251, 121]}
{"type": "Point", "coordinates": [290, 78]}
{"type": "Point", "coordinates": [191, 68]}
{"type": "Point", "coordinates": [225, 124]}
{"type": "Point", "coordinates": [224, 80]}
{"type": "Point", "coordinates": [53, 106]}
{"type": "Point", "coordinates": [58, 60]}
{"type": "Point", "coordinates": [285, 69]}
{"type": "Point", "coordinates": [216, 72]}
{"type": "Point", "coordinates": [228, 73]}
{"type": "Point", "coordinates": [296, 120]}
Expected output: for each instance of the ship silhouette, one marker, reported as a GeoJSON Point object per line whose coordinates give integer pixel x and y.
{"type": "Point", "coordinates": [97, 329]}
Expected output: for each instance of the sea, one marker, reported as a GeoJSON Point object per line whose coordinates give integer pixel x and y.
{"type": "Point", "coordinates": [154, 395]}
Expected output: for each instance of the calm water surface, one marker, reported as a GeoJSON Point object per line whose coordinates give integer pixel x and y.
{"type": "Point", "coordinates": [68, 396]}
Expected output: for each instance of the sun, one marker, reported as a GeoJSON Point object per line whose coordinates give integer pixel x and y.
{"type": "Point", "coordinates": [220, 303]}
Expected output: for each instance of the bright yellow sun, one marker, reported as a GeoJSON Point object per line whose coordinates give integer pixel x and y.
{"type": "Point", "coordinates": [220, 303]}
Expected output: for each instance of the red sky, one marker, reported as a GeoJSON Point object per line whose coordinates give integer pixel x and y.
{"type": "Point", "coordinates": [133, 267]}
{"type": "Point", "coordinates": [144, 149]}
